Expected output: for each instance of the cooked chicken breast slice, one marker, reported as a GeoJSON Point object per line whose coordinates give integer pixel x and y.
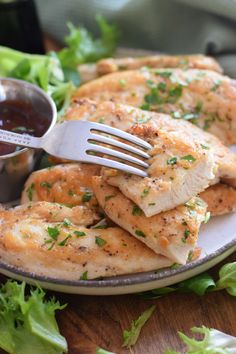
{"type": "Point", "coordinates": [124, 117]}
{"type": "Point", "coordinates": [110, 65]}
{"type": "Point", "coordinates": [80, 215]}
{"type": "Point", "coordinates": [204, 98]}
{"type": "Point", "coordinates": [220, 199]}
{"type": "Point", "coordinates": [178, 170]}
{"type": "Point", "coordinates": [68, 184]}
{"type": "Point", "coordinates": [173, 233]}
{"type": "Point", "coordinates": [45, 245]}
{"type": "Point", "coordinates": [105, 66]}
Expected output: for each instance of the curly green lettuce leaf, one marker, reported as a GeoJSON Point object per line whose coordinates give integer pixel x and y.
{"type": "Point", "coordinates": [227, 278]}
{"type": "Point", "coordinates": [131, 336]}
{"type": "Point", "coordinates": [44, 71]}
{"type": "Point", "coordinates": [201, 284]}
{"type": "Point", "coordinates": [213, 342]}
{"type": "Point", "coordinates": [103, 351]}
{"type": "Point", "coordinates": [82, 47]}
{"type": "Point", "coordinates": [28, 321]}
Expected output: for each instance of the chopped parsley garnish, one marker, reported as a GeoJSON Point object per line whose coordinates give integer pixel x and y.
{"type": "Point", "coordinates": [175, 93]}
{"type": "Point", "coordinates": [100, 227]}
{"type": "Point", "coordinates": [145, 192]}
{"type": "Point", "coordinates": [136, 210]}
{"type": "Point", "coordinates": [207, 217]}
{"type": "Point", "coordinates": [186, 235]}
{"type": "Point", "coordinates": [216, 85]}
{"type": "Point", "coordinates": [63, 242]}
{"type": "Point", "coordinates": [190, 204]}
{"type": "Point", "coordinates": [66, 222]}
{"type": "Point", "coordinates": [145, 106]}
{"type": "Point", "coordinates": [198, 107]}
{"type": "Point", "coordinates": [79, 233]}
{"type": "Point", "coordinates": [205, 147]}
{"type": "Point", "coordinates": [189, 116]}
{"type": "Point", "coordinates": [100, 241]}
{"type": "Point", "coordinates": [161, 94]}
{"type": "Point", "coordinates": [162, 86]}
{"type": "Point", "coordinates": [208, 121]}
{"type": "Point", "coordinates": [140, 233]}
{"type": "Point", "coordinates": [186, 116]}
{"type": "Point", "coordinates": [30, 191]}
{"type": "Point", "coordinates": [86, 197]}
{"type": "Point", "coordinates": [107, 197]}
{"type": "Point", "coordinates": [101, 120]}
{"type": "Point", "coordinates": [171, 161]}
{"type": "Point", "coordinates": [84, 276]}
{"type": "Point", "coordinates": [189, 158]}
{"type": "Point", "coordinates": [70, 193]}
{"type": "Point", "coordinates": [122, 82]}
{"type": "Point", "coordinates": [53, 232]}
{"type": "Point", "coordinates": [165, 74]}
{"type": "Point", "coordinates": [151, 204]}
{"type": "Point", "coordinates": [45, 184]}
{"type": "Point", "coordinates": [150, 84]}
{"type": "Point", "coordinates": [176, 115]}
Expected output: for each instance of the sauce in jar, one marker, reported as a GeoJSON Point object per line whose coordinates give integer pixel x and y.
{"type": "Point", "coordinates": [21, 117]}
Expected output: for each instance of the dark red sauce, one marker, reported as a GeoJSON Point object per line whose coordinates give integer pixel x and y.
{"type": "Point", "coordinates": [21, 117]}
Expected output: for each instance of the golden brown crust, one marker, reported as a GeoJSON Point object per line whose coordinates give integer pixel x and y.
{"type": "Point", "coordinates": [173, 233]}
{"type": "Point", "coordinates": [125, 117]}
{"type": "Point", "coordinates": [68, 184]}
{"type": "Point", "coordinates": [111, 65]}
{"type": "Point", "coordinates": [49, 240]}
{"type": "Point", "coordinates": [204, 97]}
{"type": "Point", "coordinates": [220, 199]}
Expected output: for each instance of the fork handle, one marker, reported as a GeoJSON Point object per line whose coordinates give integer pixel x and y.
{"type": "Point", "coordinates": [19, 139]}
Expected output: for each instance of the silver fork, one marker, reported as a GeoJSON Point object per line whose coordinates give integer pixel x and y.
{"type": "Point", "coordinates": [78, 141]}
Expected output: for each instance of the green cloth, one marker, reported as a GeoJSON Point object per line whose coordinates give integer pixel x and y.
{"type": "Point", "coordinates": [170, 26]}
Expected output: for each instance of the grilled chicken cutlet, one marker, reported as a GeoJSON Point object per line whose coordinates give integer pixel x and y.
{"type": "Point", "coordinates": [204, 98]}
{"type": "Point", "coordinates": [173, 233]}
{"type": "Point", "coordinates": [109, 65]}
{"type": "Point", "coordinates": [125, 117]}
{"type": "Point", "coordinates": [68, 184]}
{"type": "Point", "coordinates": [38, 239]}
{"type": "Point", "coordinates": [220, 199]}
{"type": "Point", "coordinates": [177, 171]}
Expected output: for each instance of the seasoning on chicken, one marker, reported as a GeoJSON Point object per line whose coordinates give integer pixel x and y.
{"type": "Point", "coordinates": [125, 117]}
{"type": "Point", "coordinates": [204, 98]}
{"type": "Point", "coordinates": [109, 65]}
{"type": "Point", "coordinates": [220, 199]}
{"type": "Point", "coordinates": [56, 245]}
{"type": "Point", "coordinates": [178, 170]}
{"type": "Point", "coordinates": [68, 184]}
{"type": "Point", "coordinates": [173, 233]}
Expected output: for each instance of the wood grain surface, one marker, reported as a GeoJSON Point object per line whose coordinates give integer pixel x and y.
{"type": "Point", "coordinates": [89, 322]}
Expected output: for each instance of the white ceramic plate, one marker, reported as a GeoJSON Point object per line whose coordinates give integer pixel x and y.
{"type": "Point", "coordinates": [217, 240]}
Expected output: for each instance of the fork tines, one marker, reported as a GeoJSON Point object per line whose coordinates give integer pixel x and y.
{"type": "Point", "coordinates": [94, 148]}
